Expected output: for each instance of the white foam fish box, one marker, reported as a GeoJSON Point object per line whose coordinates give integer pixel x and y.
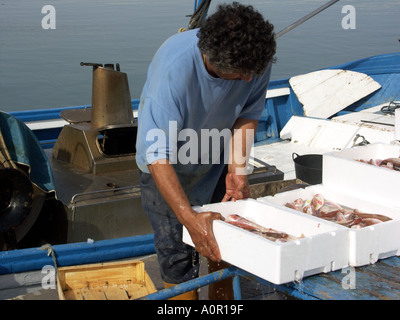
{"type": "Point", "coordinates": [342, 172]}
{"type": "Point", "coordinates": [323, 248]}
{"type": "Point", "coordinates": [366, 245]}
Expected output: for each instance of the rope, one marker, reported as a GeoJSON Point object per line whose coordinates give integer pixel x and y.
{"type": "Point", "coordinates": [50, 251]}
{"type": "Point", "coordinates": [391, 107]}
{"type": "Point", "coordinates": [198, 16]}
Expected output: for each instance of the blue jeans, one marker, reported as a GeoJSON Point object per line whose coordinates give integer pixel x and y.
{"type": "Point", "coordinates": [178, 261]}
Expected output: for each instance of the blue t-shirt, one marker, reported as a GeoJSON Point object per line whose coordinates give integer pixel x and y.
{"type": "Point", "coordinates": [182, 104]}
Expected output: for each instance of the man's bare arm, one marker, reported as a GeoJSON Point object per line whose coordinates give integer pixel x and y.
{"type": "Point", "coordinates": [237, 186]}
{"type": "Point", "coordinates": [199, 225]}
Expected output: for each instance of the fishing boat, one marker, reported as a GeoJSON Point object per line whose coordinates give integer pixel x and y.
{"type": "Point", "coordinates": [99, 198]}
{"type": "Point", "coordinates": [80, 189]}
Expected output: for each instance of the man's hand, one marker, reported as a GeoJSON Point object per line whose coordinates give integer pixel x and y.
{"type": "Point", "coordinates": [200, 229]}
{"type": "Point", "coordinates": [237, 187]}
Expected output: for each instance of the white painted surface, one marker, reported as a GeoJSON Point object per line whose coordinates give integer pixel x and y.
{"type": "Point", "coordinates": [326, 92]}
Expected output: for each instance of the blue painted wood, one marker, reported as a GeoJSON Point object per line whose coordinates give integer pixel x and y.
{"type": "Point", "coordinates": [22, 260]}
{"type": "Point", "coordinates": [379, 281]}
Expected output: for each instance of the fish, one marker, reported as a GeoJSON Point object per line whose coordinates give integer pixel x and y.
{"type": "Point", "coordinates": [389, 163]}
{"type": "Point", "coordinates": [271, 237]}
{"type": "Point", "coordinates": [298, 203]}
{"type": "Point", "coordinates": [371, 221]}
{"type": "Point", "coordinates": [268, 233]}
{"type": "Point", "coordinates": [392, 163]}
{"type": "Point", "coordinates": [317, 202]}
{"type": "Point", "coordinates": [307, 209]}
{"type": "Point", "coordinates": [371, 215]}
{"type": "Point", "coordinates": [331, 211]}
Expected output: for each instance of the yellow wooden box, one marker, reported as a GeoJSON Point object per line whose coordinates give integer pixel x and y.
{"type": "Point", "coordinates": [104, 281]}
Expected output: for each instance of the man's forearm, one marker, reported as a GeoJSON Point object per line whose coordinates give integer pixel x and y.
{"type": "Point", "coordinates": [243, 133]}
{"type": "Point", "coordinates": [199, 225]}
{"type": "Point", "coordinates": [169, 186]}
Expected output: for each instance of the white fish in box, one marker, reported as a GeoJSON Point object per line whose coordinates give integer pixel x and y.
{"type": "Point", "coordinates": [367, 244]}
{"type": "Point", "coordinates": [322, 249]}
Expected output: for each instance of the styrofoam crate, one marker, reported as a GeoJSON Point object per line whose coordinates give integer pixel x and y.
{"type": "Point", "coordinates": [366, 245]}
{"type": "Point", "coordinates": [323, 249]}
{"type": "Point", "coordinates": [366, 181]}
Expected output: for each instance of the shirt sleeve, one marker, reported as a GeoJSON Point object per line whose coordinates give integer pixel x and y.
{"type": "Point", "coordinates": [160, 121]}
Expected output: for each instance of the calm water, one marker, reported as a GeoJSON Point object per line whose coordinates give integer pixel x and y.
{"type": "Point", "coordinates": [40, 68]}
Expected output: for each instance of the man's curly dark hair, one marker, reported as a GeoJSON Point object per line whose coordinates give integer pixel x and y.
{"type": "Point", "coordinates": [236, 38]}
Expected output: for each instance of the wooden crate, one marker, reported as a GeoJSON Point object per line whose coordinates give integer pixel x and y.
{"type": "Point", "coordinates": [104, 281]}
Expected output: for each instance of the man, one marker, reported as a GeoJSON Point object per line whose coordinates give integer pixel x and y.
{"type": "Point", "coordinates": [212, 78]}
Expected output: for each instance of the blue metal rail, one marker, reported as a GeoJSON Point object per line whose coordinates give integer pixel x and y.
{"type": "Point", "coordinates": [198, 283]}
{"type": "Point", "coordinates": [231, 272]}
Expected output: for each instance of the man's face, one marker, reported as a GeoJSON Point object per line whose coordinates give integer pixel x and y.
{"type": "Point", "coordinates": [233, 76]}
{"type": "Point", "coordinates": [215, 72]}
